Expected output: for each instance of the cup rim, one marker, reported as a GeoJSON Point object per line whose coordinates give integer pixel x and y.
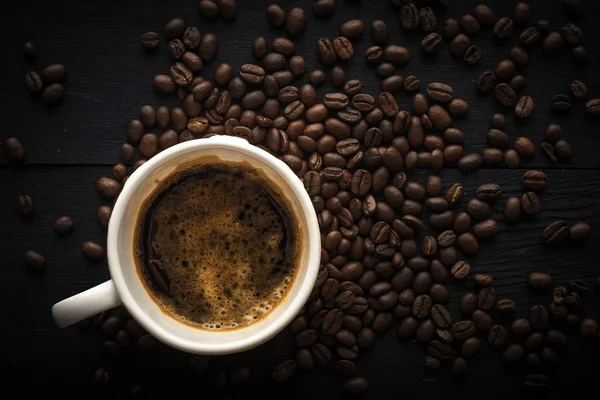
{"type": "Point", "coordinates": [167, 336]}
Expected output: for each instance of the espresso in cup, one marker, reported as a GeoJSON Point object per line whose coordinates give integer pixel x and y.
{"type": "Point", "coordinates": [217, 245]}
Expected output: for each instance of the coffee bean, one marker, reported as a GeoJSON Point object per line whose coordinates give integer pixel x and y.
{"type": "Point", "coordinates": [397, 55]}
{"type": "Point", "coordinates": [530, 37]}
{"type": "Point", "coordinates": [561, 103]}
{"type": "Point", "coordinates": [306, 338]}
{"type": "Point", "coordinates": [459, 45]}
{"type": "Point", "coordinates": [484, 15]}
{"type": "Point", "coordinates": [503, 28]}
{"type": "Point", "coordinates": [512, 159]}
{"type": "Point", "coordinates": [485, 230]}
{"type": "Point", "coordinates": [440, 316]}
{"type": "Point", "coordinates": [463, 330]}
{"type": "Point", "coordinates": [562, 149]}
{"type": "Point", "coordinates": [524, 146]}
{"type": "Point", "coordinates": [588, 328]}
{"type": "Point", "coordinates": [63, 226]}
{"type": "Point", "coordinates": [470, 347]}
{"type": "Point", "coordinates": [593, 107]}
{"type": "Point", "coordinates": [53, 94]}
{"type": "Point", "coordinates": [451, 28]}
{"type": "Point", "coordinates": [571, 33]}
{"type": "Point", "coordinates": [338, 76]}
{"type": "Point", "coordinates": [505, 94]}
{"type": "Point", "coordinates": [431, 364]}
{"type": "Point", "coordinates": [486, 298]}
{"type": "Point", "coordinates": [34, 261]}
{"type": "Point", "coordinates": [295, 21]}
{"type": "Point", "coordinates": [535, 180]}
{"type": "Point", "coordinates": [440, 92]}
{"type": "Point", "coordinates": [343, 48]}
{"type": "Point", "coordinates": [579, 231]}
{"type": "Point", "coordinates": [355, 385]}
{"type": "Point", "coordinates": [93, 251]}
{"type": "Point", "coordinates": [469, 24]}
{"type": "Point", "coordinates": [15, 152]}
{"type": "Point", "coordinates": [524, 107]}
{"type": "Point", "coordinates": [53, 73]}
{"type": "Point", "coordinates": [180, 74]}
{"type": "Point", "coordinates": [388, 104]}
{"type": "Point", "coordinates": [539, 317]}
{"type": "Point", "coordinates": [470, 162]}
{"type": "Point", "coordinates": [425, 331]}
{"type": "Point", "coordinates": [513, 353]}
{"type": "Point", "coordinates": [352, 29]}
{"type": "Point", "coordinates": [427, 19]}
{"type": "Point", "coordinates": [33, 82]}
{"type": "Point", "coordinates": [482, 320]}
{"type": "Point", "coordinates": [439, 350]}
{"type": "Point", "coordinates": [552, 43]}
{"type": "Point", "coordinates": [579, 89]}
{"type": "Point", "coordinates": [530, 203]}
{"type": "Point", "coordinates": [460, 270]}
{"type": "Point", "coordinates": [497, 336]}
{"type": "Point", "coordinates": [409, 16]}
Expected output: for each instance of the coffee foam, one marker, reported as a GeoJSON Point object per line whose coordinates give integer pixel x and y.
{"type": "Point", "coordinates": [227, 246]}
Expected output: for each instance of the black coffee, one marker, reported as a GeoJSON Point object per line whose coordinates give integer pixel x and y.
{"type": "Point", "coordinates": [217, 245]}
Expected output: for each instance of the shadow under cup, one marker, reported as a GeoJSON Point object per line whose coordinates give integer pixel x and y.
{"type": "Point", "coordinates": [121, 241]}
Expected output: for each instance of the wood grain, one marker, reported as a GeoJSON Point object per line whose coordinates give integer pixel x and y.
{"type": "Point", "coordinates": [37, 352]}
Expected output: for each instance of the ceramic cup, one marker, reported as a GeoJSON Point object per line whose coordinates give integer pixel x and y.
{"type": "Point", "coordinates": [127, 289]}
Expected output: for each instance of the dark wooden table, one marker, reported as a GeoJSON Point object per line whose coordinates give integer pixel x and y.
{"type": "Point", "coordinates": [109, 77]}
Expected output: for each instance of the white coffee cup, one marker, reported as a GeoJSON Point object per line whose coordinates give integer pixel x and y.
{"type": "Point", "coordinates": [127, 289]}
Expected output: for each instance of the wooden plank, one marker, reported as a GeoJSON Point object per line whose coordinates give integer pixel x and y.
{"type": "Point", "coordinates": [109, 75]}
{"type": "Point", "coordinates": [42, 355]}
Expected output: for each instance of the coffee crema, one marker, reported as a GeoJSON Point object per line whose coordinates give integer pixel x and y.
{"type": "Point", "coordinates": [217, 245]}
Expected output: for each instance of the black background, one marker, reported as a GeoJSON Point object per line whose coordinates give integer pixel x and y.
{"type": "Point", "coordinates": [109, 77]}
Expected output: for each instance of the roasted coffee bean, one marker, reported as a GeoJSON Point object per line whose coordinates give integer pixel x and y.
{"type": "Point", "coordinates": [530, 37]}
{"type": "Point", "coordinates": [431, 364]}
{"type": "Point", "coordinates": [93, 251]}
{"type": "Point", "coordinates": [524, 146]}
{"type": "Point", "coordinates": [482, 320]}
{"type": "Point", "coordinates": [421, 306]}
{"type": "Point", "coordinates": [440, 316]}
{"type": "Point", "coordinates": [343, 48]}
{"type": "Point", "coordinates": [463, 330]}
{"type": "Point", "coordinates": [459, 45]}
{"type": "Point", "coordinates": [352, 29]}
{"type": "Point", "coordinates": [497, 336]}
{"type": "Point", "coordinates": [34, 261]}
{"type": "Point", "coordinates": [440, 92]}
{"type": "Point", "coordinates": [482, 280]}
{"type": "Point", "coordinates": [63, 226]}
{"type": "Point", "coordinates": [338, 76]}
{"type": "Point", "coordinates": [539, 317]}
{"type": "Point", "coordinates": [497, 138]}
{"type": "Point", "coordinates": [512, 209]}
{"type": "Point", "coordinates": [427, 19]}
{"type": "Point", "coordinates": [469, 24]}
{"type": "Point", "coordinates": [580, 54]}
{"type": "Point", "coordinates": [478, 209]}
{"type": "Point", "coordinates": [530, 203]}
{"type": "Point", "coordinates": [25, 206]}
{"type": "Point", "coordinates": [53, 94]}
{"type": "Point", "coordinates": [472, 55]}
{"type": "Point", "coordinates": [505, 94]}
{"type": "Point", "coordinates": [579, 89]}
{"type": "Point", "coordinates": [524, 107]}
{"type": "Point", "coordinates": [593, 107]}
{"type": "Point", "coordinates": [53, 73]}
{"type": "Point", "coordinates": [503, 28]}
{"type": "Point", "coordinates": [460, 270]}
{"type": "Point", "coordinates": [521, 326]}
{"type": "Point", "coordinates": [150, 40]}
{"type": "Point", "coordinates": [33, 82]}
{"type": "Point", "coordinates": [579, 231]}
{"type": "Point", "coordinates": [409, 16]}
{"type": "Point", "coordinates": [397, 55]}
{"type": "Point", "coordinates": [535, 180]}
{"type": "Point", "coordinates": [571, 33]}
{"type": "Point", "coordinates": [425, 332]}
{"type": "Point", "coordinates": [451, 28]}
{"type": "Point", "coordinates": [562, 149]}
{"type": "Point", "coordinates": [522, 13]}
{"type": "Point", "coordinates": [439, 350]}
{"type": "Point", "coordinates": [513, 353]}
{"type": "Point", "coordinates": [561, 103]}
{"type": "Point", "coordinates": [486, 298]}
{"type": "Point", "coordinates": [518, 83]}
{"type": "Point", "coordinates": [470, 162]}
{"type": "Point", "coordinates": [470, 347]}
{"type": "Point", "coordinates": [468, 303]}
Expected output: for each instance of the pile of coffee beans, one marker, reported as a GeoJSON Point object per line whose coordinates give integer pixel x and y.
{"type": "Point", "coordinates": [46, 83]}
{"type": "Point", "coordinates": [355, 152]}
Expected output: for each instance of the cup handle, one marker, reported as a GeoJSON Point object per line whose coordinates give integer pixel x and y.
{"type": "Point", "coordinates": [85, 304]}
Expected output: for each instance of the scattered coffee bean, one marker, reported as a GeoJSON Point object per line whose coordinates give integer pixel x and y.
{"type": "Point", "coordinates": [34, 261]}
{"type": "Point", "coordinates": [63, 226]}
{"type": "Point", "coordinates": [93, 251]}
